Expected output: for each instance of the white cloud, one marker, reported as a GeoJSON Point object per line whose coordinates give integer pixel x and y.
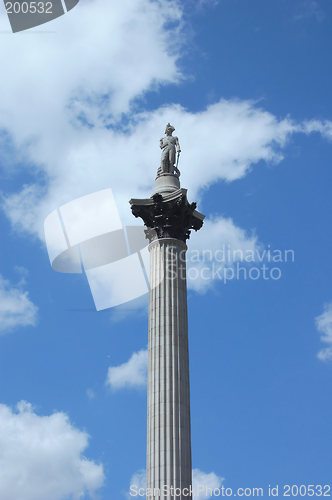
{"type": "Point", "coordinates": [139, 479]}
{"type": "Point", "coordinates": [233, 136]}
{"type": "Point", "coordinates": [75, 85]}
{"type": "Point", "coordinates": [215, 247]}
{"type": "Point", "coordinates": [132, 373]}
{"type": "Point", "coordinates": [324, 325]}
{"type": "Point", "coordinates": [322, 127]}
{"type": "Point", "coordinates": [125, 51]}
{"type": "Point", "coordinates": [88, 68]}
{"type": "Point", "coordinates": [41, 457]}
{"type": "Point", "coordinates": [208, 481]}
{"type": "Point", "coordinates": [16, 309]}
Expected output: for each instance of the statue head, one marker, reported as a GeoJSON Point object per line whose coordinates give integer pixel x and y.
{"type": "Point", "coordinates": [169, 129]}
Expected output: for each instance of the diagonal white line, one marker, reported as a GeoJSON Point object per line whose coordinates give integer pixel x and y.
{"type": "Point", "coordinates": [63, 5]}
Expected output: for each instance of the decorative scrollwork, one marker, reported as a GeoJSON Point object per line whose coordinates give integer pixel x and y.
{"type": "Point", "coordinates": [168, 219]}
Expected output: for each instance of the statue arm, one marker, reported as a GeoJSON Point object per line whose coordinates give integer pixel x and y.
{"type": "Point", "coordinates": [177, 145]}
{"type": "Point", "coordinates": [161, 143]}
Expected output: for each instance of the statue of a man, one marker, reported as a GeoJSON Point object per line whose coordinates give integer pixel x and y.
{"type": "Point", "coordinates": [169, 145]}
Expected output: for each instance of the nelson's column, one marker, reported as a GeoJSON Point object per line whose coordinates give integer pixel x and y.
{"type": "Point", "coordinates": [168, 219]}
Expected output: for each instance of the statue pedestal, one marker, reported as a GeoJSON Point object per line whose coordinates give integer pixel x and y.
{"type": "Point", "coordinates": [166, 183]}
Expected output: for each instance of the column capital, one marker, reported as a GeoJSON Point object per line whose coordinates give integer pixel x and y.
{"type": "Point", "coordinates": [168, 216]}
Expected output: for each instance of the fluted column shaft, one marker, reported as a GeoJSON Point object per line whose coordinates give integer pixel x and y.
{"type": "Point", "coordinates": [168, 422]}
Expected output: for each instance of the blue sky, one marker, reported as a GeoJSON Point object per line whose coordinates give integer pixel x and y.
{"type": "Point", "coordinates": [83, 104]}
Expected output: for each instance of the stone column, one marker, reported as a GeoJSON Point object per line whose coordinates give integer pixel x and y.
{"type": "Point", "coordinates": [168, 442]}
{"type": "Point", "coordinates": [168, 218]}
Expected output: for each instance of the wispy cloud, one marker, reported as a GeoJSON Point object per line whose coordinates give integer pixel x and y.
{"type": "Point", "coordinates": [206, 3]}
{"type": "Point", "coordinates": [220, 235]}
{"type": "Point", "coordinates": [309, 9]}
{"type": "Point", "coordinates": [132, 373]}
{"type": "Point", "coordinates": [324, 325]}
{"type": "Point", "coordinates": [16, 309]}
{"type": "Point", "coordinates": [90, 394]}
{"type": "Point", "coordinates": [202, 482]}
{"type": "Point", "coordinates": [208, 480]}
{"type": "Point", "coordinates": [42, 457]}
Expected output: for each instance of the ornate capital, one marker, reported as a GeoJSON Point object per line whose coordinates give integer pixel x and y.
{"type": "Point", "coordinates": [170, 216]}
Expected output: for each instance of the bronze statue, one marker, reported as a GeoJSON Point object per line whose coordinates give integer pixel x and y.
{"type": "Point", "coordinates": [169, 146]}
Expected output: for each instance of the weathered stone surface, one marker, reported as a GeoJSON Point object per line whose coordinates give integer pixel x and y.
{"type": "Point", "coordinates": [166, 183]}
{"type": "Point", "coordinates": [169, 145]}
{"type": "Point", "coordinates": [168, 216]}
{"type": "Point", "coordinates": [169, 439]}
{"type": "Point", "coordinates": [169, 219]}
